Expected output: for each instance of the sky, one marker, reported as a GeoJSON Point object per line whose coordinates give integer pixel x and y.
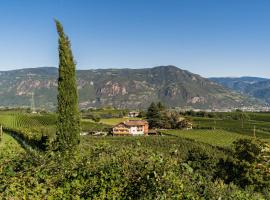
{"type": "Point", "coordinates": [206, 37]}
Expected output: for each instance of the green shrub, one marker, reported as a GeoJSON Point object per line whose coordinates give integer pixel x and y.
{"type": "Point", "coordinates": [247, 166]}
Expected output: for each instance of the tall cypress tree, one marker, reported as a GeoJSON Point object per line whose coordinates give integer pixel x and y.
{"type": "Point", "coordinates": [68, 121]}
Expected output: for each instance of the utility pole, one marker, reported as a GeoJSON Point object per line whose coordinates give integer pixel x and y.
{"type": "Point", "coordinates": [1, 132]}
{"type": "Point", "coordinates": [254, 131]}
{"type": "Point", "coordinates": [242, 119]}
{"type": "Point", "coordinates": [33, 107]}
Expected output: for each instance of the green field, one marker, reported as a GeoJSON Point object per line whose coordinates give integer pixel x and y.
{"type": "Point", "coordinates": [105, 113]}
{"type": "Point", "coordinates": [89, 125]}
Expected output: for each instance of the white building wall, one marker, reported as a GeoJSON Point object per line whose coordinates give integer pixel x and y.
{"type": "Point", "coordinates": [134, 131]}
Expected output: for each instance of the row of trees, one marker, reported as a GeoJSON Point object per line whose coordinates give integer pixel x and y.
{"type": "Point", "coordinates": [237, 115]}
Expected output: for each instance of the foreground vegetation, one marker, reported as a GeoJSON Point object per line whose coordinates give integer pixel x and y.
{"type": "Point", "coordinates": [203, 163]}
{"type": "Point", "coordinates": [119, 168]}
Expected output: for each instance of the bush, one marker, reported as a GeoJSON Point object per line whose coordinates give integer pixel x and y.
{"type": "Point", "coordinates": [247, 166]}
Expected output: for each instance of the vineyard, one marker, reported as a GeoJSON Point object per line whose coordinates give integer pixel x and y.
{"type": "Point", "coordinates": [16, 120]}
{"type": "Point", "coordinates": [245, 127]}
{"type": "Point", "coordinates": [218, 137]}
{"type": "Point", "coordinates": [260, 116]}
{"type": "Point", "coordinates": [39, 130]}
{"type": "Point", "coordinates": [33, 129]}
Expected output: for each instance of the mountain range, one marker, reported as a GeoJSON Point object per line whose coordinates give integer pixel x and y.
{"type": "Point", "coordinates": [122, 88]}
{"type": "Point", "coordinates": [253, 86]}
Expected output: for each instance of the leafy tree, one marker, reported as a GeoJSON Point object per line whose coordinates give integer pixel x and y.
{"type": "Point", "coordinates": [142, 114]}
{"type": "Point", "coordinates": [68, 122]}
{"type": "Point", "coordinates": [154, 116]}
{"type": "Point", "coordinates": [183, 124]}
{"type": "Point", "coordinates": [160, 106]}
{"type": "Point", "coordinates": [173, 118]}
{"type": "Point", "coordinates": [95, 117]}
{"type": "Point", "coordinates": [176, 120]}
{"type": "Point", "coordinates": [158, 117]}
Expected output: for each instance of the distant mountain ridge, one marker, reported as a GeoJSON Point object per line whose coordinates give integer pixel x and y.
{"type": "Point", "coordinates": [124, 88]}
{"type": "Point", "coordinates": [253, 86]}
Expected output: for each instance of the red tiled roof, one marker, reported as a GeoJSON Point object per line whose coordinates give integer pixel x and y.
{"type": "Point", "coordinates": [134, 123]}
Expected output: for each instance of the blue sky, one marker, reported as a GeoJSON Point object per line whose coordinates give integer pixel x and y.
{"type": "Point", "coordinates": [207, 37]}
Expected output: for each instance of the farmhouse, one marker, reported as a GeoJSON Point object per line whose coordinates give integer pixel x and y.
{"type": "Point", "coordinates": [133, 114]}
{"type": "Point", "coordinates": [131, 127]}
{"type": "Point", "coordinates": [189, 126]}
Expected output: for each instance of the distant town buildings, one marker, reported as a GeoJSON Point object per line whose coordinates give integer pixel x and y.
{"type": "Point", "coordinates": [254, 108]}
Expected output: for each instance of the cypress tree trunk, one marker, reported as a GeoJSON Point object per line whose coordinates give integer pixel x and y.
{"type": "Point", "coordinates": [68, 121]}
